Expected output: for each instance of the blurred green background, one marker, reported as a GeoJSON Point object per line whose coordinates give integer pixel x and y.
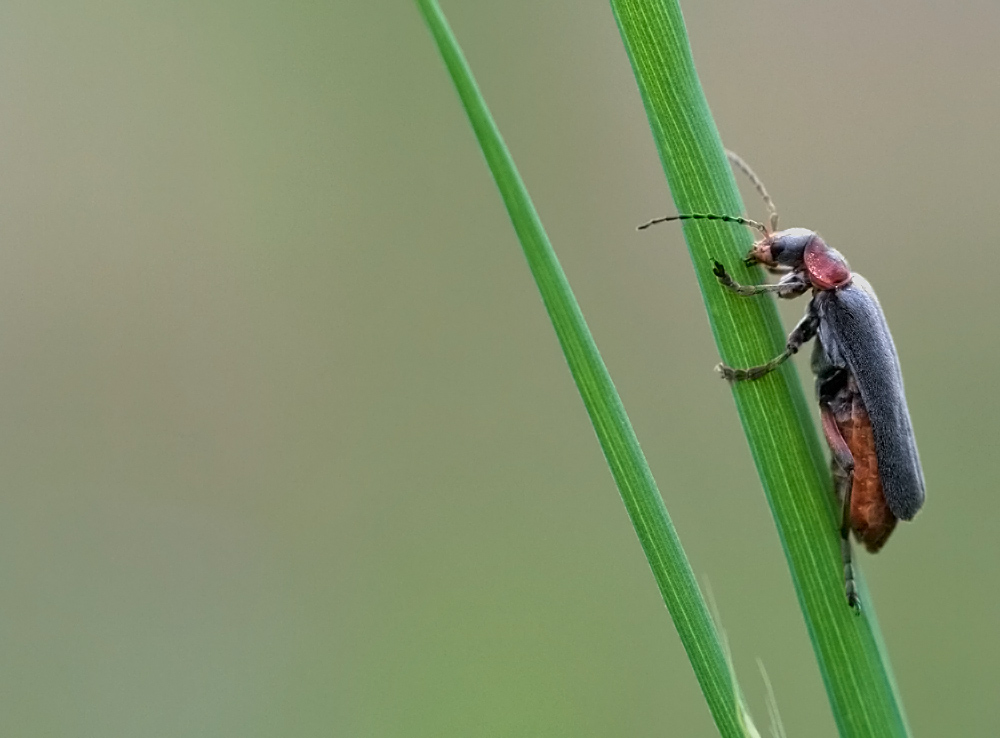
{"type": "Point", "coordinates": [288, 445]}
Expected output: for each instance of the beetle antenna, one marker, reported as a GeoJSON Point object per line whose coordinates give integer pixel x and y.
{"type": "Point", "coordinates": [707, 216]}
{"type": "Point", "coordinates": [737, 161]}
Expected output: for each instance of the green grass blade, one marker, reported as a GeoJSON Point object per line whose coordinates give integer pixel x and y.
{"type": "Point", "coordinates": [628, 465]}
{"type": "Point", "coordinates": [773, 410]}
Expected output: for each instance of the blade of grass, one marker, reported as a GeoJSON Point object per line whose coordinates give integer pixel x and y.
{"type": "Point", "coordinates": [773, 410]}
{"type": "Point", "coordinates": [621, 448]}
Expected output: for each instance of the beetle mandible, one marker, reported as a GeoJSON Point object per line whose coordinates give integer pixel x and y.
{"type": "Point", "coordinates": [873, 454]}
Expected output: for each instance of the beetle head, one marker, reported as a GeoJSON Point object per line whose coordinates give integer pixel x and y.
{"type": "Point", "coordinates": [802, 249]}
{"type": "Point", "coordinates": [782, 248]}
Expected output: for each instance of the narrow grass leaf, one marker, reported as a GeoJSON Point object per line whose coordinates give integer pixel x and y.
{"type": "Point", "coordinates": [773, 410]}
{"type": "Point", "coordinates": [621, 449]}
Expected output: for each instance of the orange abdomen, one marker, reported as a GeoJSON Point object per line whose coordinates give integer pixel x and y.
{"type": "Point", "coordinates": [871, 518]}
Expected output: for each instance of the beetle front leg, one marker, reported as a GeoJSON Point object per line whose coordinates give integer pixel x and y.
{"type": "Point", "coordinates": [842, 466]}
{"type": "Point", "coordinates": [792, 284]}
{"type": "Point", "coordinates": [805, 330]}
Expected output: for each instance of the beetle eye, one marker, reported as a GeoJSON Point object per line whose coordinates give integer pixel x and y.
{"type": "Point", "coordinates": [776, 250]}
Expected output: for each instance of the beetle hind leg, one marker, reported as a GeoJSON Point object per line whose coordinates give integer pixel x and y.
{"type": "Point", "coordinates": [842, 467]}
{"type": "Point", "coordinates": [844, 482]}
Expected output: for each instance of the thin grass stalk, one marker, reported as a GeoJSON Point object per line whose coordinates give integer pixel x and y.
{"type": "Point", "coordinates": [631, 473]}
{"type": "Point", "coordinates": [773, 410]}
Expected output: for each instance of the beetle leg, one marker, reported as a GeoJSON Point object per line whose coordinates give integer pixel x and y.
{"type": "Point", "coordinates": [743, 290]}
{"type": "Point", "coordinates": [792, 284]}
{"type": "Point", "coordinates": [805, 330]}
{"type": "Point", "coordinates": [843, 480]}
{"type": "Point", "coordinates": [839, 449]}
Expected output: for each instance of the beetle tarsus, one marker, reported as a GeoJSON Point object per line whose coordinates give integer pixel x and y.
{"type": "Point", "coordinates": [755, 372]}
{"type": "Point", "coordinates": [854, 602]}
{"type": "Point", "coordinates": [732, 285]}
{"type": "Point", "coordinates": [850, 586]}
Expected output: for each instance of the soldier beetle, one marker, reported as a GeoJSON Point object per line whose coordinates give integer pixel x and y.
{"type": "Point", "coordinates": [873, 454]}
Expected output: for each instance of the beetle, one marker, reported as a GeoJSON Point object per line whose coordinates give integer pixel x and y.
{"type": "Point", "coordinates": [873, 454]}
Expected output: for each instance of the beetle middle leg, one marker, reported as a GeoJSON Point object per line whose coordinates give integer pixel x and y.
{"type": "Point", "coordinates": [842, 466]}
{"type": "Point", "coordinates": [804, 331]}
